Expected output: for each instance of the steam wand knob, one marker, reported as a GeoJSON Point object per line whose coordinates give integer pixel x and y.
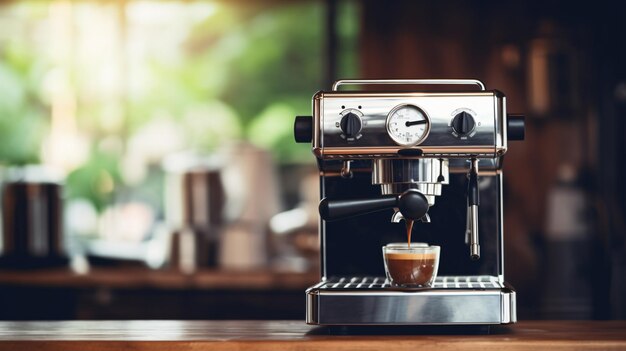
{"type": "Point", "coordinates": [303, 129]}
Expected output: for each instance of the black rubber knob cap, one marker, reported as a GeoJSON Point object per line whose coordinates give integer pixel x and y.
{"type": "Point", "coordinates": [351, 125]}
{"type": "Point", "coordinates": [303, 129]}
{"type": "Point", "coordinates": [515, 127]}
{"type": "Point", "coordinates": [463, 123]}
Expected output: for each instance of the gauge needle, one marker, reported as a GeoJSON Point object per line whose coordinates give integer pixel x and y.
{"type": "Point", "coordinates": [412, 123]}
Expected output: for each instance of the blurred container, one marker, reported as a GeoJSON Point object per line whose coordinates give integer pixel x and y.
{"type": "Point", "coordinates": [32, 225]}
{"type": "Point", "coordinates": [568, 263]}
{"type": "Point", "coordinates": [294, 240]}
{"type": "Point", "coordinates": [252, 198]}
{"type": "Point", "coordinates": [194, 203]}
{"type": "Point", "coordinates": [243, 246]}
{"type": "Point", "coordinates": [218, 207]}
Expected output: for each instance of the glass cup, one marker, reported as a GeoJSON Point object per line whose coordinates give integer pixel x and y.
{"type": "Point", "coordinates": [411, 268]}
{"type": "Point", "coordinates": [400, 244]}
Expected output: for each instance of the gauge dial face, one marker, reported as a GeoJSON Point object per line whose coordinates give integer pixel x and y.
{"type": "Point", "coordinates": [408, 125]}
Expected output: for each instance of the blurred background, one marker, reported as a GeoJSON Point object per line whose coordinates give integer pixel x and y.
{"type": "Point", "coordinates": [147, 147]}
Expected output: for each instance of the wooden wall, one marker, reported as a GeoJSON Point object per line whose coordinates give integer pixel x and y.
{"type": "Point", "coordinates": [544, 56]}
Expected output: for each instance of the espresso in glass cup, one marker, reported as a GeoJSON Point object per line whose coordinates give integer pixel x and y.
{"type": "Point", "coordinates": [413, 267]}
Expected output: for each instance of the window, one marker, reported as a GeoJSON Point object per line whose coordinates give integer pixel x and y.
{"type": "Point", "coordinates": [102, 91]}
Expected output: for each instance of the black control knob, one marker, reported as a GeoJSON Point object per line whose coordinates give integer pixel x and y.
{"type": "Point", "coordinates": [351, 125]}
{"type": "Point", "coordinates": [463, 123]}
{"type": "Point", "coordinates": [303, 129]}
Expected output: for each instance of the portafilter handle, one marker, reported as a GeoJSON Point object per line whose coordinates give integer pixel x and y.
{"type": "Point", "coordinates": [411, 203]}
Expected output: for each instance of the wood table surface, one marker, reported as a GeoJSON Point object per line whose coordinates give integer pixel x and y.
{"type": "Point", "coordinates": [295, 335]}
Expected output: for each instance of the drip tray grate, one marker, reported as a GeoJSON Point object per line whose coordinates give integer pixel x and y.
{"type": "Point", "coordinates": [445, 282]}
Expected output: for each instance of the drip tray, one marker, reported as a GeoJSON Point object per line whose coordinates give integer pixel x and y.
{"type": "Point", "coordinates": [372, 301]}
{"type": "Point", "coordinates": [447, 282]}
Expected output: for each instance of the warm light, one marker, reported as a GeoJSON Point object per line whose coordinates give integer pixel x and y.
{"type": "Point", "coordinates": [63, 148]}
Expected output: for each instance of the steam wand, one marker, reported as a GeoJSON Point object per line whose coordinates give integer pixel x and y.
{"type": "Point", "coordinates": [411, 203]}
{"type": "Point", "coordinates": [473, 201]}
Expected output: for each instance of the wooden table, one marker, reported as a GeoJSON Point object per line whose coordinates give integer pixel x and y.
{"type": "Point", "coordinates": [295, 335]}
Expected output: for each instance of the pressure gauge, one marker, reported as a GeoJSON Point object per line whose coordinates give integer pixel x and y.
{"type": "Point", "coordinates": [408, 125]}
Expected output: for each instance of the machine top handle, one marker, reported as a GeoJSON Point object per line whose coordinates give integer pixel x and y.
{"type": "Point", "coordinates": [339, 83]}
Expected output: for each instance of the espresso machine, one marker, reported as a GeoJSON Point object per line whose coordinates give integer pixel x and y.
{"type": "Point", "coordinates": [426, 153]}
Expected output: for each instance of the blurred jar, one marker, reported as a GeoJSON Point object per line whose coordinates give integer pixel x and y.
{"type": "Point", "coordinates": [32, 225]}
{"type": "Point", "coordinates": [295, 240]}
{"type": "Point", "coordinates": [567, 286]}
{"type": "Point", "coordinates": [194, 202]}
{"type": "Point", "coordinates": [252, 198]}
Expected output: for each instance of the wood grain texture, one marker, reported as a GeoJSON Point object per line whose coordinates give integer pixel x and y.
{"type": "Point", "coordinates": [295, 335]}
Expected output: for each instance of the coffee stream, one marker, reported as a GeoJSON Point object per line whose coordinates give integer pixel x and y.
{"type": "Point", "coordinates": [409, 229]}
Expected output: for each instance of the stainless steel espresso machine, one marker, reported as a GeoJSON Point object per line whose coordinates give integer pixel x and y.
{"type": "Point", "coordinates": [429, 155]}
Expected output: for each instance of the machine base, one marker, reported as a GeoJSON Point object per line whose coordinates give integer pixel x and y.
{"type": "Point", "coordinates": [467, 300]}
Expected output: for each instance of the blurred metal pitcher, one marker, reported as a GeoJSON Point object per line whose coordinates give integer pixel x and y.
{"type": "Point", "coordinates": [194, 201]}
{"type": "Point", "coordinates": [32, 224]}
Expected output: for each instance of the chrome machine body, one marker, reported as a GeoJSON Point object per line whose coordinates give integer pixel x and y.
{"type": "Point", "coordinates": [424, 155]}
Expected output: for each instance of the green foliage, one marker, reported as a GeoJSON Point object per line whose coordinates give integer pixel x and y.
{"type": "Point", "coordinates": [96, 179]}
{"type": "Point", "coordinates": [281, 61]}
{"type": "Point", "coordinates": [22, 116]}
{"type": "Point", "coordinates": [273, 129]}
{"type": "Point", "coordinates": [252, 59]}
{"type": "Point", "coordinates": [210, 124]}
{"type": "Point", "coordinates": [348, 32]}
{"type": "Point", "coordinates": [244, 71]}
